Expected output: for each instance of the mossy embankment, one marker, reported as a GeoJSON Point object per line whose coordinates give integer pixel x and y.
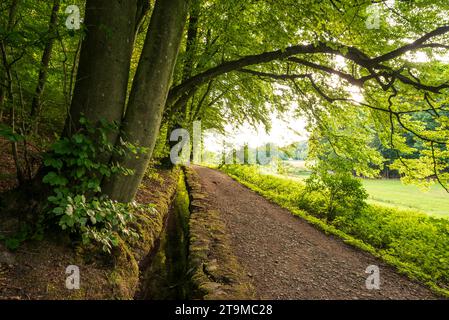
{"type": "Point", "coordinates": [37, 269]}
{"type": "Point", "coordinates": [166, 275]}
{"type": "Point", "coordinates": [134, 257]}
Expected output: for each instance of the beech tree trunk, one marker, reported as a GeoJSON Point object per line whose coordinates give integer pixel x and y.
{"type": "Point", "coordinates": [103, 68]}
{"type": "Point", "coordinates": [177, 115]}
{"type": "Point", "coordinates": [104, 64]}
{"type": "Point", "coordinates": [149, 94]}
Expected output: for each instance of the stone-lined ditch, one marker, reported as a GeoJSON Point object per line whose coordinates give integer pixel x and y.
{"type": "Point", "coordinates": [192, 258]}
{"type": "Point", "coordinates": [166, 276]}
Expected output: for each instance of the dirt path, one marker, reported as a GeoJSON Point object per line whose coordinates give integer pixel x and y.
{"type": "Point", "coordinates": [289, 259]}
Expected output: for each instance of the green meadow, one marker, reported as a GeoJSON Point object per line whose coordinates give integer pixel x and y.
{"type": "Point", "coordinates": [393, 193]}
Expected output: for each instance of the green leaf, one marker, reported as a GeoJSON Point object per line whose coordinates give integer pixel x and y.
{"type": "Point", "coordinates": [83, 120]}
{"type": "Point", "coordinates": [55, 179]}
{"type": "Point", "coordinates": [58, 211]}
{"type": "Point", "coordinates": [54, 163]}
{"type": "Point", "coordinates": [69, 210]}
{"type": "Point", "coordinates": [62, 147]}
{"type": "Point", "coordinates": [12, 243]}
{"type": "Point", "coordinates": [9, 134]}
{"type": "Point", "coordinates": [80, 172]}
{"type": "Point", "coordinates": [78, 138]}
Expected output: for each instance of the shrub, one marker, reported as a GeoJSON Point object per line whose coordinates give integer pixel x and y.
{"type": "Point", "coordinates": [343, 194]}
{"type": "Point", "coordinates": [74, 173]}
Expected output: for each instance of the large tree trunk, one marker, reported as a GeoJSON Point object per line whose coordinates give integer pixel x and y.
{"type": "Point", "coordinates": [103, 73]}
{"type": "Point", "coordinates": [46, 56]}
{"type": "Point", "coordinates": [191, 43]}
{"type": "Point", "coordinates": [149, 94]}
{"type": "Point", "coordinates": [175, 117]}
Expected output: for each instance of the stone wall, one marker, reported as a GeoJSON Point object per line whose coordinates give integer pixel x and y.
{"type": "Point", "coordinates": [216, 274]}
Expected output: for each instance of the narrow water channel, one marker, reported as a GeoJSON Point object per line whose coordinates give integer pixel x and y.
{"type": "Point", "coordinates": [166, 278]}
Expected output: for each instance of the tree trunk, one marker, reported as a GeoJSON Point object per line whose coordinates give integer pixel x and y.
{"type": "Point", "coordinates": [177, 113]}
{"type": "Point", "coordinates": [192, 33]}
{"type": "Point", "coordinates": [149, 94]}
{"type": "Point", "coordinates": [104, 64]}
{"type": "Point", "coordinates": [103, 67]}
{"type": "Point", "coordinates": [4, 84]}
{"type": "Point", "coordinates": [42, 78]}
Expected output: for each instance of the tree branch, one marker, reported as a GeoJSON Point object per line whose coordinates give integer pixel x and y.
{"type": "Point", "coordinates": [350, 53]}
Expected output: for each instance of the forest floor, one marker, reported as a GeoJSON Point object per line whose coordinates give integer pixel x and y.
{"type": "Point", "coordinates": [287, 258]}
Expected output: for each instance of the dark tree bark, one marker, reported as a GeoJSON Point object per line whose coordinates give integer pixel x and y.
{"type": "Point", "coordinates": [176, 117]}
{"type": "Point", "coordinates": [45, 61]}
{"type": "Point", "coordinates": [191, 43]}
{"type": "Point", "coordinates": [104, 64]}
{"type": "Point", "coordinates": [103, 73]}
{"type": "Point", "coordinates": [149, 94]}
{"type": "Point", "coordinates": [350, 53]}
{"type": "Point", "coordinates": [5, 76]}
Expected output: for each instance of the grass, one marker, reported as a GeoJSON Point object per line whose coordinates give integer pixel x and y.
{"type": "Point", "coordinates": [395, 194]}
{"type": "Point", "coordinates": [392, 193]}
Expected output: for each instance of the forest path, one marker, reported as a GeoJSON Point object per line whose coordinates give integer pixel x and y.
{"type": "Point", "coordinates": [287, 258]}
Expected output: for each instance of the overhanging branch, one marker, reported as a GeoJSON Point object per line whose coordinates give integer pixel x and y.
{"type": "Point", "coordinates": [350, 53]}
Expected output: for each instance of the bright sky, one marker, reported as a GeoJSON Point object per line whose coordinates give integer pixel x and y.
{"type": "Point", "coordinates": [282, 133]}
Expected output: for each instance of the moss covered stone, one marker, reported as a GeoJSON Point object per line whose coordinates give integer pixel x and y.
{"type": "Point", "coordinates": [217, 275]}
